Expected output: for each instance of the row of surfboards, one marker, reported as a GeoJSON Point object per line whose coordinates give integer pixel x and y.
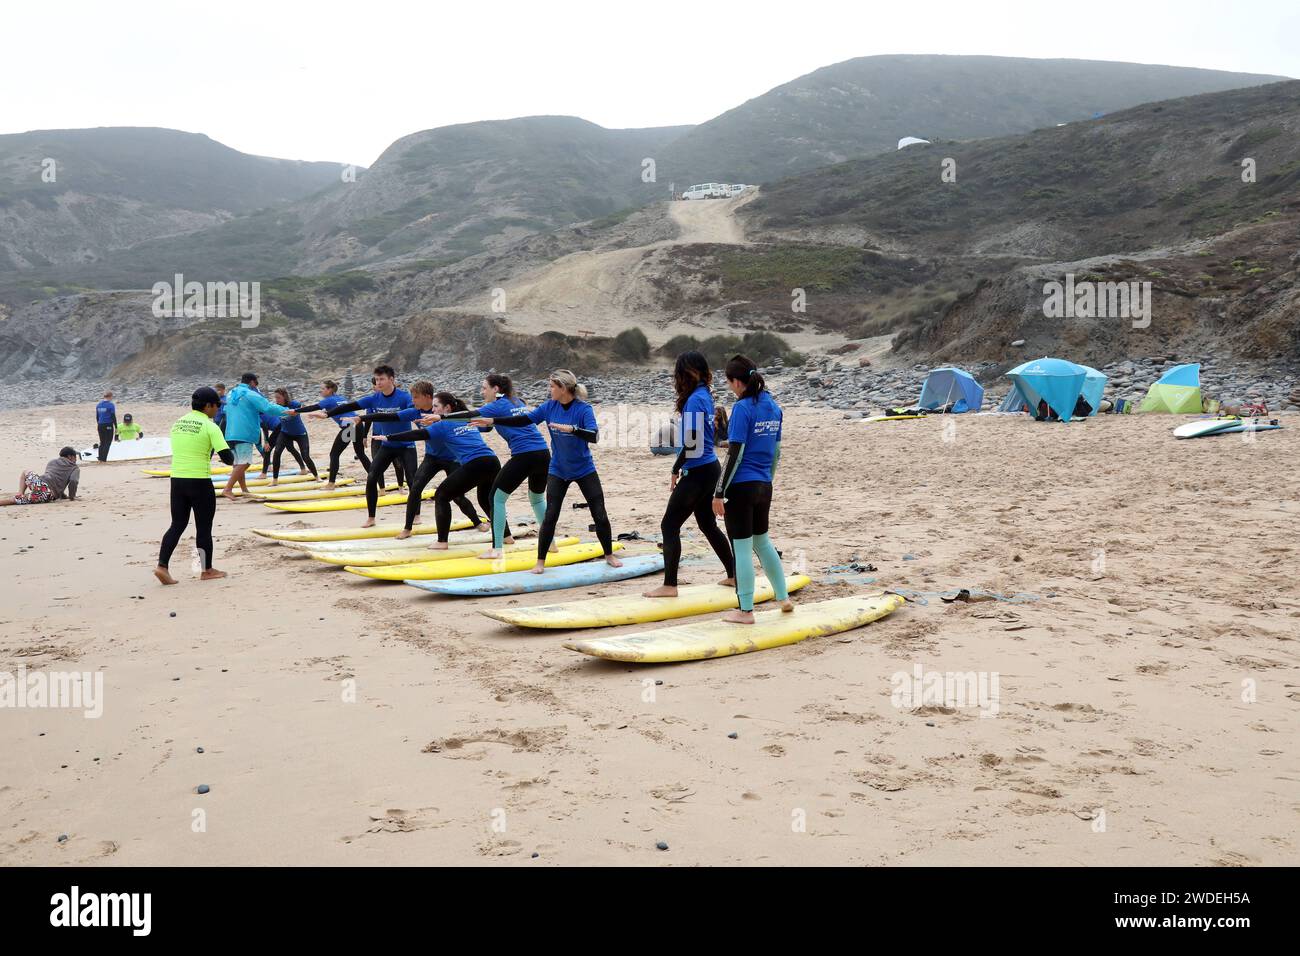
{"type": "Point", "coordinates": [1223, 426]}
{"type": "Point", "coordinates": [377, 553]}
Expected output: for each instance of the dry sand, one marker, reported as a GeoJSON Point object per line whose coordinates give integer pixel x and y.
{"type": "Point", "coordinates": [1123, 693]}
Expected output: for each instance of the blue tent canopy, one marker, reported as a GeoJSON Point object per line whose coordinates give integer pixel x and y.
{"type": "Point", "coordinates": [944, 385]}
{"type": "Point", "coordinates": [1189, 375]}
{"type": "Point", "coordinates": [1055, 381]}
{"type": "Point", "coordinates": [1094, 383]}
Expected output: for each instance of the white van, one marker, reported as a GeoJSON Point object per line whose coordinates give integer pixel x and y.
{"type": "Point", "coordinates": [707, 191]}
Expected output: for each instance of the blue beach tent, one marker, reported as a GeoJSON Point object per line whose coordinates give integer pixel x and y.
{"type": "Point", "coordinates": [1094, 383]}
{"type": "Point", "coordinates": [1053, 380]}
{"type": "Point", "coordinates": [944, 385]}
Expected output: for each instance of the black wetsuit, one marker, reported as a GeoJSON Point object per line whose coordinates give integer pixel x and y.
{"type": "Point", "coordinates": [197, 495]}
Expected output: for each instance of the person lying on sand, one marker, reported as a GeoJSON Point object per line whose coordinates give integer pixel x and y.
{"type": "Point", "coordinates": [58, 481]}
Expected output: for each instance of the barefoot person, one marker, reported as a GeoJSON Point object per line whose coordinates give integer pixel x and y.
{"type": "Point", "coordinates": [105, 424]}
{"type": "Point", "coordinates": [59, 480]}
{"type": "Point", "coordinates": [194, 437]}
{"type": "Point", "coordinates": [350, 432]}
{"type": "Point", "coordinates": [530, 458]}
{"type": "Point", "coordinates": [387, 398]}
{"type": "Point", "coordinates": [572, 423]}
{"type": "Point", "coordinates": [743, 496]}
{"type": "Point", "coordinates": [438, 456]}
{"type": "Point", "coordinates": [695, 473]}
{"type": "Point", "coordinates": [293, 431]}
{"type": "Point", "coordinates": [475, 465]}
{"type": "Point", "coordinates": [244, 407]}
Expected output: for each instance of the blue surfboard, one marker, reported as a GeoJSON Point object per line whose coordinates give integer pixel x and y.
{"type": "Point", "coordinates": [555, 579]}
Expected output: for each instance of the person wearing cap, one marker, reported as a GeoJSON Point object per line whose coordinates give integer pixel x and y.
{"type": "Point", "coordinates": [105, 421]}
{"type": "Point", "coordinates": [129, 430]}
{"type": "Point", "coordinates": [58, 481]}
{"type": "Point", "coordinates": [194, 438]}
{"type": "Point", "coordinates": [244, 408]}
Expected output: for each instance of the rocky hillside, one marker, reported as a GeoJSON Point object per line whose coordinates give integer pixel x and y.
{"type": "Point", "coordinates": [69, 198]}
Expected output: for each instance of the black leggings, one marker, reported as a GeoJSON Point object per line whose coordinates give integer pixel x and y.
{"type": "Point", "coordinates": [556, 488]}
{"type": "Point", "coordinates": [348, 435]}
{"type": "Point", "coordinates": [694, 496]}
{"type": "Point", "coordinates": [530, 465]}
{"type": "Point", "coordinates": [386, 455]}
{"type": "Point", "coordinates": [197, 495]}
{"type": "Point", "coordinates": [105, 441]}
{"type": "Point", "coordinates": [429, 467]}
{"type": "Point", "coordinates": [269, 441]}
{"type": "Point", "coordinates": [477, 473]}
{"type": "Point", "coordinates": [398, 464]}
{"type": "Point", "coordinates": [747, 506]}
{"type": "Point", "coordinates": [283, 441]}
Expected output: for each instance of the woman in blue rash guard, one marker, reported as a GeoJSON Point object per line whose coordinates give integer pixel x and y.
{"type": "Point", "coordinates": [293, 431]}
{"type": "Point", "coordinates": [530, 457]}
{"type": "Point", "coordinates": [438, 457]}
{"type": "Point", "coordinates": [695, 473]}
{"type": "Point", "coordinates": [572, 423]}
{"type": "Point", "coordinates": [349, 431]}
{"type": "Point", "coordinates": [476, 464]}
{"type": "Point", "coordinates": [743, 495]}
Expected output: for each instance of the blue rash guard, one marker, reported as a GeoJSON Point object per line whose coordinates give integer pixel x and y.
{"type": "Point", "coordinates": [105, 413]}
{"type": "Point", "coordinates": [520, 439]}
{"type": "Point", "coordinates": [377, 403]}
{"type": "Point", "coordinates": [697, 431]}
{"type": "Point", "coordinates": [570, 454]}
{"type": "Point", "coordinates": [293, 425]}
{"type": "Point", "coordinates": [462, 439]}
{"type": "Point", "coordinates": [755, 424]}
{"type": "Point", "coordinates": [333, 401]}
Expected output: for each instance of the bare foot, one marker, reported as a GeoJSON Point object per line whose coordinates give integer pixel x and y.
{"type": "Point", "coordinates": [403, 535]}
{"type": "Point", "coordinates": [553, 549]}
{"type": "Point", "coordinates": [539, 567]}
{"type": "Point", "coordinates": [493, 555]}
{"type": "Point", "coordinates": [728, 582]}
{"type": "Point", "coordinates": [439, 546]}
{"type": "Point", "coordinates": [509, 539]}
{"type": "Point", "coordinates": [329, 486]}
{"type": "Point", "coordinates": [229, 496]}
{"type": "Point", "coordinates": [664, 590]}
{"type": "Point", "coordinates": [787, 606]}
{"type": "Point", "coordinates": [211, 574]}
{"type": "Point", "coordinates": [369, 523]}
{"type": "Point", "coordinates": [613, 561]}
{"type": "Point", "coordinates": [739, 617]}
{"type": "Point", "coordinates": [163, 575]}
{"type": "Point", "coordinates": [485, 528]}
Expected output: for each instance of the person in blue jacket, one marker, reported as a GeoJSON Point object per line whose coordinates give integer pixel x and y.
{"type": "Point", "coordinates": [244, 408]}
{"type": "Point", "coordinates": [572, 424]}
{"type": "Point", "coordinates": [695, 473]}
{"type": "Point", "coordinates": [743, 496]}
{"type": "Point", "coordinates": [293, 431]}
{"type": "Point", "coordinates": [105, 424]}
{"type": "Point", "coordinates": [530, 457]}
{"type": "Point", "coordinates": [387, 398]}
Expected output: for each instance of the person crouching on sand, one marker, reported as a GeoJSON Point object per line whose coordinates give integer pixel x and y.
{"type": "Point", "coordinates": [59, 481]}
{"type": "Point", "coordinates": [194, 438]}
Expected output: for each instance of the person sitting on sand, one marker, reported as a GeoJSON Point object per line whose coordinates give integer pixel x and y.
{"type": "Point", "coordinates": [59, 481]}
{"type": "Point", "coordinates": [128, 430]}
{"type": "Point", "coordinates": [194, 437]}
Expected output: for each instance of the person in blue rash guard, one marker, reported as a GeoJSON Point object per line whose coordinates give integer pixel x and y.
{"type": "Point", "coordinates": [476, 465]}
{"type": "Point", "coordinates": [438, 457]}
{"type": "Point", "coordinates": [349, 431]}
{"type": "Point", "coordinates": [743, 496]}
{"type": "Point", "coordinates": [387, 398]}
{"type": "Point", "coordinates": [530, 458]}
{"type": "Point", "coordinates": [244, 407]}
{"type": "Point", "coordinates": [270, 435]}
{"type": "Point", "coordinates": [572, 423]}
{"type": "Point", "coordinates": [105, 424]}
{"type": "Point", "coordinates": [695, 473]}
{"type": "Point", "coordinates": [292, 430]}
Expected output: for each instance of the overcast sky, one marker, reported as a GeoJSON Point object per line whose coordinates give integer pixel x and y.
{"type": "Point", "coordinates": [340, 81]}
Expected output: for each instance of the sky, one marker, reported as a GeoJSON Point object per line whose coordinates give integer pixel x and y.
{"type": "Point", "coordinates": [340, 81]}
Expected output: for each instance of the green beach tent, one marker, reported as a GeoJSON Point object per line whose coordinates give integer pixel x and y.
{"type": "Point", "coordinates": [1178, 392]}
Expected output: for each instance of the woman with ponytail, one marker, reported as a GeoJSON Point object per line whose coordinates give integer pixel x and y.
{"type": "Point", "coordinates": [572, 424]}
{"type": "Point", "coordinates": [530, 458]}
{"type": "Point", "coordinates": [695, 473]}
{"type": "Point", "coordinates": [743, 496]}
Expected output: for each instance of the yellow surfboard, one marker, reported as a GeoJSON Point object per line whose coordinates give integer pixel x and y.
{"type": "Point", "coordinates": [419, 543]}
{"type": "Point", "coordinates": [258, 492]}
{"type": "Point", "coordinates": [635, 609]}
{"type": "Point", "coordinates": [344, 504]}
{"type": "Point", "coordinates": [381, 557]}
{"type": "Point", "coordinates": [471, 567]}
{"type": "Point", "coordinates": [351, 534]}
{"type": "Point", "coordinates": [316, 492]}
{"type": "Point", "coordinates": [714, 638]}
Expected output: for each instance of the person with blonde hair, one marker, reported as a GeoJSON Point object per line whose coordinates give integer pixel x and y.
{"type": "Point", "coordinates": [572, 424]}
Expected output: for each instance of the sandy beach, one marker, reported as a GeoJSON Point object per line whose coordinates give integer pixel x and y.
{"type": "Point", "coordinates": [1149, 677]}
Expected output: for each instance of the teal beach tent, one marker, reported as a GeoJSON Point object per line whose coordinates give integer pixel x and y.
{"type": "Point", "coordinates": [1055, 381]}
{"type": "Point", "coordinates": [1094, 383]}
{"type": "Point", "coordinates": [945, 385]}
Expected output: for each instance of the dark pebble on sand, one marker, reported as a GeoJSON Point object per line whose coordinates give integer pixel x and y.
{"type": "Point", "coordinates": [733, 735]}
{"type": "Point", "coordinates": [175, 678]}
{"type": "Point", "coordinates": [659, 683]}
{"type": "Point", "coordinates": [536, 855]}
{"type": "Point", "coordinates": [198, 750]}
{"type": "Point", "coordinates": [173, 614]}
{"type": "Point", "coordinates": [661, 845]}
{"type": "Point", "coordinates": [202, 788]}
{"type": "Point", "coordinates": [63, 838]}
{"type": "Point", "coordinates": [929, 723]}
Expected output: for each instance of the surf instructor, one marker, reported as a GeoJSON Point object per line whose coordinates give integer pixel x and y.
{"type": "Point", "coordinates": [244, 408]}
{"type": "Point", "coordinates": [194, 438]}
